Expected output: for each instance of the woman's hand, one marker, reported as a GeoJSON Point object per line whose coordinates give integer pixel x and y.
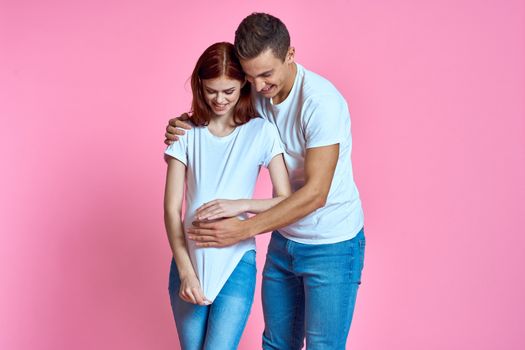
{"type": "Point", "coordinates": [191, 291]}
{"type": "Point", "coordinates": [221, 208]}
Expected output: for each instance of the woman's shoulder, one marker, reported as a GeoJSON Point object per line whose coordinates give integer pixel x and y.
{"type": "Point", "coordinates": [258, 122]}
{"type": "Point", "coordinates": [260, 127]}
{"type": "Point", "coordinates": [195, 128]}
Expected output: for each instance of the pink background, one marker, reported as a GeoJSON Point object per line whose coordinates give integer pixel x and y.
{"type": "Point", "coordinates": [437, 96]}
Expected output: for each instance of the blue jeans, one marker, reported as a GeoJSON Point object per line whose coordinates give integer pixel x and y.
{"type": "Point", "coordinates": [310, 290]}
{"type": "Point", "coordinates": [219, 325]}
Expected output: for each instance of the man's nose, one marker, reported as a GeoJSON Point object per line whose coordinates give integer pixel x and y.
{"type": "Point", "coordinates": [259, 84]}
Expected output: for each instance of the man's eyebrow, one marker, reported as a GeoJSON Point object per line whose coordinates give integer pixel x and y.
{"type": "Point", "coordinates": [263, 73]}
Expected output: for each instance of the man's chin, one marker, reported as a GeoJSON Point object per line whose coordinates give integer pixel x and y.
{"type": "Point", "coordinates": [270, 94]}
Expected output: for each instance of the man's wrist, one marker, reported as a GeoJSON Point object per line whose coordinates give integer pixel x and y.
{"type": "Point", "coordinates": [249, 229]}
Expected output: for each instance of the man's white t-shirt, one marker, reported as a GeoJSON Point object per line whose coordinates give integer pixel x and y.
{"type": "Point", "coordinates": [315, 114]}
{"type": "Point", "coordinates": [226, 168]}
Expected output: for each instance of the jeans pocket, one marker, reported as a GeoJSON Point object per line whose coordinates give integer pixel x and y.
{"type": "Point", "coordinates": [362, 246]}
{"type": "Point", "coordinates": [358, 257]}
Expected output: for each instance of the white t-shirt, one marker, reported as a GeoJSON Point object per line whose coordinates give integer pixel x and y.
{"type": "Point", "coordinates": [315, 114]}
{"type": "Point", "coordinates": [226, 168]}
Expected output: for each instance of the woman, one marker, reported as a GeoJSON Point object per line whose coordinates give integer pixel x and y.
{"type": "Point", "coordinates": [211, 289]}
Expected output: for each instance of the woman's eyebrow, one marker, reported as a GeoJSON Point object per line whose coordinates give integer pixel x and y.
{"type": "Point", "coordinates": [212, 90]}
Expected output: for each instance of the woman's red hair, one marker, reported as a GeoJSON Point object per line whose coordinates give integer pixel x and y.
{"type": "Point", "coordinates": [216, 61]}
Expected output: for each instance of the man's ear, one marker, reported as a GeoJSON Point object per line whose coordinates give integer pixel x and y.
{"type": "Point", "coordinates": [290, 55]}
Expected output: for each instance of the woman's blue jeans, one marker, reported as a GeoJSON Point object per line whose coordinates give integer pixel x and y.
{"type": "Point", "coordinates": [310, 291]}
{"type": "Point", "coordinates": [220, 325]}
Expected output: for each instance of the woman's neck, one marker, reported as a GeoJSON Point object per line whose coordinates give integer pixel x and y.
{"type": "Point", "coordinates": [222, 125]}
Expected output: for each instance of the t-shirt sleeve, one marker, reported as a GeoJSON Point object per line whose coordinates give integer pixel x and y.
{"type": "Point", "coordinates": [326, 122]}
{"type": "Point", "coordinates": [178, 150]}
{"type": "Point", "coordinates": [272, 142]}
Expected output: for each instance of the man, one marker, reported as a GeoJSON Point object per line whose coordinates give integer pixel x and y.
{"type": "Point", "coordinates": [315, 256]}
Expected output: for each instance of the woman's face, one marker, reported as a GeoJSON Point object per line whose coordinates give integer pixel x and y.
{"type": "Point", "coordinates": [221, 94]}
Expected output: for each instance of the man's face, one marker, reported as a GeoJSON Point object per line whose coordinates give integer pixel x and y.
{"type": "Point", "coordinates": [269, 75]}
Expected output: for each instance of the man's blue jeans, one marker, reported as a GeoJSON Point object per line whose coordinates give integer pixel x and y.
{"type": "Point", "coordinates": [220, 325]}
{"type": "Point", "coordinates": [310, 290]}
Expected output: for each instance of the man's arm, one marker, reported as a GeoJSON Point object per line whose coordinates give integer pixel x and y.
{"type": "Point", "coordinates": [319, 164]}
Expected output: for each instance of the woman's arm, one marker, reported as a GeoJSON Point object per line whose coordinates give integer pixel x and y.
{"type": "Point", "coordinates": [190, 289]}
{"type": "Point", "coordinates": [280, 183]}
{"type": "Point", "coordinates": [223, 208]}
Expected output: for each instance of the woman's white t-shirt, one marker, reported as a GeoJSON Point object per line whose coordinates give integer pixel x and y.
{"type": "Point", "coordinates": [222, 168]}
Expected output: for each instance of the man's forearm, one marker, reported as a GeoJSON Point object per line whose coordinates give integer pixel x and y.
{"type": "Point", "coordinates": [256, 206]}
{"type": "Point", "coordinates": [293, 208]}
{"type": "Point", "coordinates": [320, 164]}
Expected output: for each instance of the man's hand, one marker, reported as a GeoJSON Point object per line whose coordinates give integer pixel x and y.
{"type": "Point", "coordinates": [221, 208]}
{"type": "Point", "coordinates": [172, 130]}
{"type": "Point", "coordinates": [220, 233]}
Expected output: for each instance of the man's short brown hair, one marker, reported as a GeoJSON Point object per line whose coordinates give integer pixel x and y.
{"type": "Point", "coordinates": [259, 32]}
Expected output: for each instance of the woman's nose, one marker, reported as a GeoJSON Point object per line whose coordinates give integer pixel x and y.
{"type": "Point", "coordinates": [219, 98]}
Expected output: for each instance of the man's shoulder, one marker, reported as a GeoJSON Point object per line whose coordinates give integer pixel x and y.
{"type": "Point", "coordinates": [316, 88]}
